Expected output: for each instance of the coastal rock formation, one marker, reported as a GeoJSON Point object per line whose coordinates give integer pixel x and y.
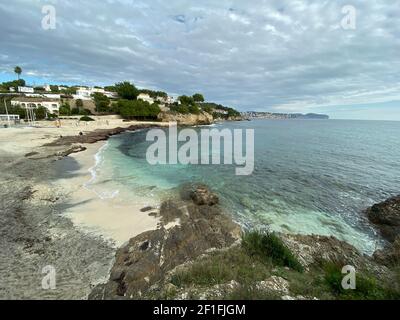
{"type": "Point", "coordinates": [203, 118]}
{"type": "Point", "coordinates": [386, 216]}
{"type": "Point", "coordinates": [202, 196]}
{"type": "Point", "coordinates": [95, 136]}
{"type": "Point", "coordinates": [187, 230]}
{"type": "Point", "coordinates": [389, 256]}
{"type": "Point", "coordinates": [314, 249]}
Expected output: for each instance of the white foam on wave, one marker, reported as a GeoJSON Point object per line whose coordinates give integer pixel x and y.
{"type": "Point", "coordinates": [93, 172]}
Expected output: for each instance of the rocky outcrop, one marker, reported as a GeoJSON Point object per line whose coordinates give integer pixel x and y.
{"type": "Point", "coordinates": [202, 196]}
{"type": "Point", "coordinates": [316, 250]}
{"type": "Point", "coordinates": [386, 216]}
{"type": "Point", "coordinates": [203, 118]}
{"type": "Point", "coordinates": [187, 230]}
{"type": "Point", "coordinates": [97, 135]}
{"type": "Point", "coordinates": [389, 256]}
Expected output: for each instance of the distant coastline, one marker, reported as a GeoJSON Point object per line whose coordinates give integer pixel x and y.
{"type": "Point", "coordinates": [283, 116]}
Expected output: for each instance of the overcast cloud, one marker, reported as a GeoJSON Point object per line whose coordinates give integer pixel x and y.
{"type": "Point", "coordinates": [254, 55]}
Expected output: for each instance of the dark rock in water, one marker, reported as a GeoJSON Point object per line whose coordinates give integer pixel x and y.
{"type": "Point", "coordinates": [202, 196]}
{"type": "Point", "coordinates": [145, 209]}
{"type": "Point", "coordinates": [186, 232]}
{"type": "Point", "coordinates": [390, 256]}
{"type": "Point", "coordinates": [386, 216]}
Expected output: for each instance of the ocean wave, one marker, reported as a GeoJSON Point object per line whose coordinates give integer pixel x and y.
{"type": "Point", "coordinates": [93, 172]}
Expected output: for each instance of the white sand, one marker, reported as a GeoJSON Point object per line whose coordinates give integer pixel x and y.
{"type": "Point", "coordinates": [115, 219]}
{"type": "Point", "coordinates": [111, 218]}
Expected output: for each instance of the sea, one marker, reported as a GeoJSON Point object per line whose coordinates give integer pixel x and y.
{"type": "Point", "coordinates": [310, 176]}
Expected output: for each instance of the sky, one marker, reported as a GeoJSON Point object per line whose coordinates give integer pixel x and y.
{"type": "Point", "coordinates": [275, 55]}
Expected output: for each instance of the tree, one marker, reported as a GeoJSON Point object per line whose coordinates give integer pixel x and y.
{"type": "Point", "coordinates": [65, 109]}
{"type": "Point", "coordinates": [126, 90]}
{"type": "Point", "coordinates": [18, 71]}
{"type": "Point", "coordinates": [14, 84]}
{"type": "Point", "coordinates": [40, 113]}
{"type": "Point", "coordinates": [198, 97]}
{"type": "Point", "coordinates": [189, 101]}
{"type": "Point", "coordinates": [101, 101]}
{"type": "Point", "coordinates": [53, 88]}
{"type": "Point", "coordinates": [138, 109]}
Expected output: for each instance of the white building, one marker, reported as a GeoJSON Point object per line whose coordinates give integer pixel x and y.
{"type": "Point", "coordinates": [47, 88]}
{"type": "Point", "coordinates": [145, 97]}
{"type": "Point", "coordinates": [52, 105]}
{"type": "Point", "coordinates": [85, 93]}
{"type": "Point", "coordinates": [26, 90]}
{"type": "Point", "coordinates": [10, 117]}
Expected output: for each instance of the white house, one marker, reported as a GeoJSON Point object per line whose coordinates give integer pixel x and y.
{"type": "Point", "coordinates": [52, 105]}
{"type": "Point", "coordinates": [9, 117]}
{"type": "Point", "coordinates": [26, 90]}
{"type": "Point", "coordinates": [47, 88]}
{"type": "Point", "coordinates": [85, 93]}
{"type": "Point", "coordinates": [145, 97]}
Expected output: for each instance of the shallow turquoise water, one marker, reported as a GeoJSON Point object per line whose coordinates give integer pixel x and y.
{"type": "Point", "coordinates": [310, 176]}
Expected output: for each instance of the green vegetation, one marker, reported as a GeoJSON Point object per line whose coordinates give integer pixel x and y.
{"type": "Point", "coordinates": [5, 86]}
{"type": "Point", "coordinates": [12, 109]}
{"type": "Point", "coordinates": [249, 292]}
{"type": "Point", "coordinates": [269, 246]}
{"type": "Point", "coordinates": [86, 118]}
{"type": "Point", "coordinates": [18, 71]}
{"type": "Point", "coordinates": [198, 97]}
{"type": "Point", "coordinates": [188, 104]}
{"type": "Point", "coordinates": [222, 267]}
{"type": "Point", "coordinates": [126, 90]}
{"type": "Point", "coordinates": [40, 113]}
{"type": "Point", "coordinates": [262, 255]}
{"type": "Point", "coordinates": [181, 108]}
{"type": "Point", "coordinates": [136, 109]}
{"type": "Point", "coordinates": [367, 287]}
{"type": "Point", "coordinates": [101, 102]}
{"type": "Point", "coordinates": [110, 88]}
{"type": "Point", "coordinates": [65, 109]}
{"type": "Point", "coordinates": [154, 94]}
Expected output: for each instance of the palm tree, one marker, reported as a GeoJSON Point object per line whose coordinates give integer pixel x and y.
{"type": "Point", "coordinates": [18, 71]}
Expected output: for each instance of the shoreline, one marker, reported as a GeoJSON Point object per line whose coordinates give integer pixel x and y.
{"type": "Point", "coordinates": [106, 215]}
{"type": "Point", "coordinates": [56, 219]}
{"type": "Point", "coordinates": [34, 230]}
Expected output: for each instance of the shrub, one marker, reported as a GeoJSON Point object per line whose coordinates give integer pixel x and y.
{"type": "Point", "coordinates": [86, 118]}
{"type": "Point", "coordinates": [194, 109]}
{"type": "Point", "coordinates": [269, 246]}
{"type": "Point", "coordinates": [137, 109]}
{"type": "Point", "coordinates": [182, 108]}
{"type": "Point", "coordinates": [222, 267]}
{"type": "Point", "coordinates": [367, 287]}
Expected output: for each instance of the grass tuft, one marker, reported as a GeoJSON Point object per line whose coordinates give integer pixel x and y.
{"type": "Point", "coordinates": [270, 246]}
{"type": "Point", "coordinates": [367, 287]}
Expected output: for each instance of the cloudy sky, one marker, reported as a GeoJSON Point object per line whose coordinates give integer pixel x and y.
{"type": "Point", "coordinates": [275, 55]}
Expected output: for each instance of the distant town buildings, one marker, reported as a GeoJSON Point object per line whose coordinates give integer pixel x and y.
{"type": "Point", "coordinates": [85, 93]}
{"type": "Point", "coordinates": [26, 90]}
{"type": "Point", "coordinates": [145, 97]}
{"type": "Point", "coordinates": [283, 116]}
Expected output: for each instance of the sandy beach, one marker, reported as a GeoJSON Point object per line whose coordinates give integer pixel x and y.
{"type": "Point", "coordinates": [50, 217]}
{"type": "Point", "coordinates": [111, 217]}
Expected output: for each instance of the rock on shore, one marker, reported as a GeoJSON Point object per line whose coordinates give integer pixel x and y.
{"type": "Point", "coordinates": [386, 216]}
{"type": "Point", "coordinates": [203, 118]}
{"type": "Point", "coordinates": [187, 230]}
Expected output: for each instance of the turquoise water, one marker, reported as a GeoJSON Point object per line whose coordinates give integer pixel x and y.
{"type": "Point", "coordinates": [310, 177]}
